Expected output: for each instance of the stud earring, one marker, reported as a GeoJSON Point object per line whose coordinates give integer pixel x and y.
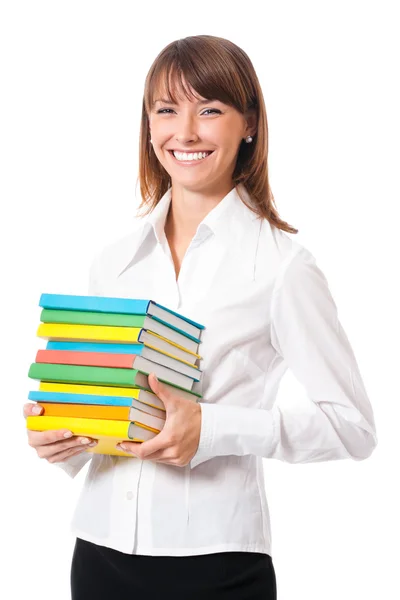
{"type": "Point", "coordinates": [249, 139]}
{"type": "Point", "coordinates": [151, 141]}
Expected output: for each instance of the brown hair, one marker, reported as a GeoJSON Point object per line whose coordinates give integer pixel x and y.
{"type": "Point", "coordinates": [216, 68]}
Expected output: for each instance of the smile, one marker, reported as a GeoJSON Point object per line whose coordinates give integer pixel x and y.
{"type": "Point", "coordinates": [195, 160]}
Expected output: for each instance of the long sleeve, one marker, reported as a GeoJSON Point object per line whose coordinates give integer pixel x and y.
{"type": "Point", "coordinates": [337, 422]}
{"type": "Point", "coordinates": [74, 464]}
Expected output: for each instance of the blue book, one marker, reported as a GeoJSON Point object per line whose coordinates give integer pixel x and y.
{"type": "Point", "coordinates": [96, 347]}
{"type": "Point", "coordinates": [40, 396]}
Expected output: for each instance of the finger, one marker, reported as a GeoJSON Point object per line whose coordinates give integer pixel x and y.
{"type": "Point", "coordinates": [61, 456]}
{"type": "Point", "coordinates": [32, 409]}
{"type": "Point", "coordinates": [53, 440]}
{"type": "Point", "coordinates": [143, 449]}
{"type": "Point", "coordinates": [41, 438]}
{"type": "Point", "coordinates": [75, 443]}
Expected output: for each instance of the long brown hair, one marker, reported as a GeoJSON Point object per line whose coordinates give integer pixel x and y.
{"type": "Point", "coordinates": [216, 68]}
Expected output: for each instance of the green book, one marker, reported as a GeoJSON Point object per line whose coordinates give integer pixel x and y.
{"type": "Point", "coordinates": [76, 317]}
{"type": "Point", "coordinates": [97, 376]}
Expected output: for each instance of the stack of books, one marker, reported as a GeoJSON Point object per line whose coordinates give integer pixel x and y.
{"type": "Point", "coordinates": [94, 370]}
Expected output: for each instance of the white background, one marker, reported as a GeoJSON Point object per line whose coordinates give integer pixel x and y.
{"type": "Point", "coordinates": [72, 77]}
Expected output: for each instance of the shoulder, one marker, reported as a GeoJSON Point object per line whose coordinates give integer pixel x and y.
{"type": "Point", "coordinates": [281, 253]}
{"type": "Point", "coordinates": [297, 272]}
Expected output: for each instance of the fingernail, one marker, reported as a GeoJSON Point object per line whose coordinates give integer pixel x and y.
{"type": "Point", "coordinates": [68, 434]}
{"type": "Point", "coordinates": [37, 410]}
{"type": "Point", "coordinates": [92, 443]}
{"type": "Point", "coordinates": [85, 441]}
{"type": "Point", "coordinates": [155, 377]}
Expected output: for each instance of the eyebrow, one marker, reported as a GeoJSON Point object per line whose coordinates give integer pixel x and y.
{"type": "Point", "coordinates": [170, 102]}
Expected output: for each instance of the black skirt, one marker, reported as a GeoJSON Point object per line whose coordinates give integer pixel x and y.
{"type": "Point", "coordinates": [103, 573]}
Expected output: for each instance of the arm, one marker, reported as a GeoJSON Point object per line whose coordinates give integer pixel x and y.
{"type": "Point", "coordinates": [306, 333]}
{"type": "Point", "coordinates": [74, 464]}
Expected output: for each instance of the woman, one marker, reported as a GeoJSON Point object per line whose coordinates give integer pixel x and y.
{"type": "Point", "coordinates": [188, 517]}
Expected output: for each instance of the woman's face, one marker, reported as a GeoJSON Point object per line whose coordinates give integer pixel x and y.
{"type": "Point", "coordinates": [193, 126]}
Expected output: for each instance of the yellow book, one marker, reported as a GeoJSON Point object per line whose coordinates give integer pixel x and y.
{"type": "Point", "coordinates": [109, 433]}
{"type": "Point", "coordinates": [157, 342]}
{"type": "Point", "coordinates": [88, 333]}
{"type": "Point", "coordinates": [101, 390]}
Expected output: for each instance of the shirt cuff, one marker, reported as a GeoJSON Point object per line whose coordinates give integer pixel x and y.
{"type": "Point", "coordinates": [74, 464]}
{"type": "Point", "coordinates": [206, 436]}
{"type": "Point", "coordinates": [237, 430]}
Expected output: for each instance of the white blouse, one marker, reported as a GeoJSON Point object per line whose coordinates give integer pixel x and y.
{"type": "Point", "coordinates": [266, 307]}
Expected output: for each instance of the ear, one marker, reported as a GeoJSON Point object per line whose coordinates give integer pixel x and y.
{"type": "Point", "coordinates": [251, 120]}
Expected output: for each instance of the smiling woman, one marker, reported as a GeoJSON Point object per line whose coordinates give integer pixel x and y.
{"type": "Point", "coordinates": [202, 94]}
{"type": "Point", "coordinates": [188, 517]}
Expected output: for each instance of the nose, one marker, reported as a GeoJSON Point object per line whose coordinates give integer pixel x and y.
{"type": "Point", "coordinates": [186, 130]}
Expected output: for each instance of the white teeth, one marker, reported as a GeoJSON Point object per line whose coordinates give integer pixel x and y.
{"type": "Point", "coordinates": [190, 156]}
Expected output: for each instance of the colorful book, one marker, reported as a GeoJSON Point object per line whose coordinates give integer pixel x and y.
{"type": "Point", "coordinates": [76, 317]}
{"type": "Point", "coordinates": [118, 361]}
{"type": "Point", "coordinates": [96, 400]}
{"type": "Point", "coordinates": [95, 376]}
{"type": "Point", "coordinates": [109, 433]}
{"type": "Point", "coordinates": [124, 361]}
{"type": "Point", "coordinates": [93, 411]}
{"type": "Point", "coordinates": [160, 343]}
{"type": "Point", "coordinates": [145, 395]}
{"type": "Point", "coordinates": [146, 340]}
{"type": "Point", "coordinates": [95, 333]}
{"type": "Point", "coordinates": [124, 306]}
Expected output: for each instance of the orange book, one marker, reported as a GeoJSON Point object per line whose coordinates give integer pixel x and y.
{"type": "Point", "coordinates": [95, 411]}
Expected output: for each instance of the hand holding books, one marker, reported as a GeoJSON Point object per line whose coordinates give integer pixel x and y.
{"type": "Point", "coordinates": [94, 372]}
{"type": "Point", "coordinates": [54, 445]}
{"type": "Point", "coordinates": [178, 441]}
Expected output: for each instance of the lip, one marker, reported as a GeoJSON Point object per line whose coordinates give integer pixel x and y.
{"type": "Point", "coordinates": [190, 163]}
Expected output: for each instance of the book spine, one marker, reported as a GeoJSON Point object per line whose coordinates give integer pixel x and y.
{"type": "Point", "coordinates": [94, 304]}
{"type": "Point", "coordinates": [96, 347]}
{"type": "Point", "coordinates": [83, 375]}
{"type": "Point", "coordinates": [91, 359]}
{"type": "Point", "coordinates": [65, 331]}
{"type": "Point", "coordinates": [76, 317]}
{"type": "Point", "coordinates": [66, 398]}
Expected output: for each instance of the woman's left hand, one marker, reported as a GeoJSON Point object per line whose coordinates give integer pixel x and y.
{"type": "Point", "coordinates": [177, 442]}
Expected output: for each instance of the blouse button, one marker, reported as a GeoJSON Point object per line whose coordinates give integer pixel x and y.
{"type": "Point", "coordinates": [129, 495]}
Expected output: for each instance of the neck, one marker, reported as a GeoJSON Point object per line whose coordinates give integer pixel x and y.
{"type": "Point", "coordinates": [188, 208]}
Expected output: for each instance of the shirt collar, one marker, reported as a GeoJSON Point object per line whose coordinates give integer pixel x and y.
{"type": "Point", "coordinates": [226, 219]}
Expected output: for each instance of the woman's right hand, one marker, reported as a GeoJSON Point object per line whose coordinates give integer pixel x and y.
{"type": "Point", "coordinates": [53, 445]}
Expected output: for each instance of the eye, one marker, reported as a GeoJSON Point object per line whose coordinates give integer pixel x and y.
{"type": "Point", "coordinates": [214, 110]}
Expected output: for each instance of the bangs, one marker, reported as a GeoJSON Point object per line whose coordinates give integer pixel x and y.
{"type": "Point", "coordinates": [175, 78]}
